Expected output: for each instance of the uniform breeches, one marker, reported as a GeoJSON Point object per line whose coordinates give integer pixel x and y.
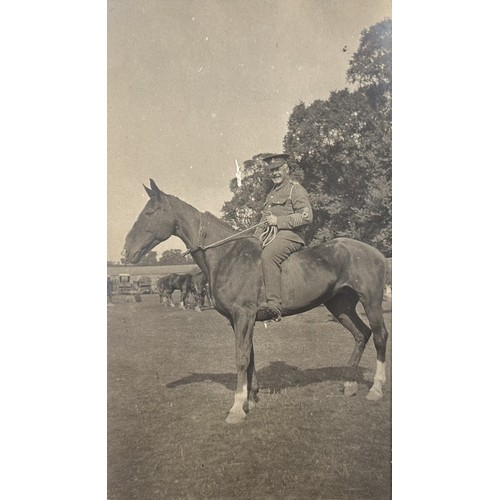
{"type": "Point", "coordinates": [273, 256]}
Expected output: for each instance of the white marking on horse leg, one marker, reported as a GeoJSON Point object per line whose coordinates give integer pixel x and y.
{"type": "Point", "coordinates": [350, 388]}
{"type": "Point", "coordinates": [380, 372]}
{"type": "Point", "coordinates": [240, 398]}
{"type": "Point", "coordinates": [236, 413]}
{"type": "Point", "coordinates": [378, 381]}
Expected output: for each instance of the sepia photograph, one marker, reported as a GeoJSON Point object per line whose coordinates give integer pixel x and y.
{"type": "Point", "coordinates": [245, 170]}
{"type": "Point", "coordinates": [249, 249]}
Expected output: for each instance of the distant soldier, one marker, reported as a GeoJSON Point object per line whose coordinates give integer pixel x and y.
{"type": "Point", "coordinates": [110, 289]}
{"type": "Point", "coordinates": [287, 210]}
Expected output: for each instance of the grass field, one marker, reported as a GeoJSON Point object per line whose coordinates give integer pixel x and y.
{"type": "Point", "coordinates": [171, 382]}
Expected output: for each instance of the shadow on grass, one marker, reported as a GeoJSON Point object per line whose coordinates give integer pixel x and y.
{"type": "Point", "coordinates": [277, 376]}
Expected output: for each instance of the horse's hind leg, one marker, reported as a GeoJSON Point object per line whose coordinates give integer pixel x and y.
{"type": "Point", "coordinates": [197, 300]}
{"type": "Point", "coordinates": [375, 316]}
{"type": "Point", "coordinates": [170, 300]}
{"type": "Point", "coordinates": [343, 307]}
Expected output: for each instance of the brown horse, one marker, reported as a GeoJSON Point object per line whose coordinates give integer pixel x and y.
{"type": "Point", "coordinates": [337, 274]}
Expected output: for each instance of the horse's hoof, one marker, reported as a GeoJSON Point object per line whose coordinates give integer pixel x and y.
{"type": "Point", "coordinates": [197, 309]}
{"type": "Point", "coordinates": [249, 405]}
{"type": "Point", "coordinates": [350, 388]}
{"type": "Point", "coordinates": [374, 394]}
{"type": "Point", "coordinates": [235, 418]}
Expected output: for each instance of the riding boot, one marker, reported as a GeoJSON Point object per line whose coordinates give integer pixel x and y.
{"type": "Point", "coordinates": [272, 257]}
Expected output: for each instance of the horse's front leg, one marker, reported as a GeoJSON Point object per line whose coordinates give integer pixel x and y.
{"type": "Point", "coordinates": [196, 300]}
{"type": "Point", "coordinates": [182, 304]}
{"type": "Point", "coordinates": [253, 385]}
{"type": "Point", "coordinates": [243, 324]}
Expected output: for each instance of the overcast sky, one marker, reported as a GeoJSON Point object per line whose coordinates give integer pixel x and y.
{"type": "Point", "coordinates": [194, 85]}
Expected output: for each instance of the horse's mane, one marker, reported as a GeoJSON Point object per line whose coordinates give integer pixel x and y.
{"type": "Point", "coordinates": [209, 216]}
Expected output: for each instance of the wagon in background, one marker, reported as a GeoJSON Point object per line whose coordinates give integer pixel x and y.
{"type": "Point", "coordinates": [125, 284]}
{"type": "Point", "coordinates": [145, 284]}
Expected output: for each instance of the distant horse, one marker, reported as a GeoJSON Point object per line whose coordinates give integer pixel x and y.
{"type": "Point", "coordinates": [182, 282]}
{"type": "Point", "coordinates": [202, 287]}
{"type": "Point", "coordinates": [338, 274]}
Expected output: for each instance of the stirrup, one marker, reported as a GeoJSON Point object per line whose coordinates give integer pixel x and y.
{"type": "Point", "coordinates": [265, 313]}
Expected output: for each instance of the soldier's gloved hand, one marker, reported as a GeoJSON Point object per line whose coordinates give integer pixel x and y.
{"type": "Point", "coordinates": [272, 220]}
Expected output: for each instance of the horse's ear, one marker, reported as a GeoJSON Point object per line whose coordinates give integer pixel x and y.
{"type": "Point", "coordinates": [155, 189]}
{"type": "Point", "coordinates": [150, 193]}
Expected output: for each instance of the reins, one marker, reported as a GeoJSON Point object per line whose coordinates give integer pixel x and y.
{"type": "Point", "coordinates": [268, 235]}
{"type": "Point", "coordinates": [265, 238]}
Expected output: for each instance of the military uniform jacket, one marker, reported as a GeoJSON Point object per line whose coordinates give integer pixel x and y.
{"type": "Point", "coordinates": [289, 202]}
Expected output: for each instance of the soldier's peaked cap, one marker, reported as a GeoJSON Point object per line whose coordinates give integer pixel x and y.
{"type": "Point", "coordinates": [275, 161]}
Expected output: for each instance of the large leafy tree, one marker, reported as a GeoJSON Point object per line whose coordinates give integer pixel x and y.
{"type": "Point", "coordinates": [371, 66]}
{"type": "Point", "coordinates": [340, 151]}
{"type": "Point", "coordinates": [150, 259]}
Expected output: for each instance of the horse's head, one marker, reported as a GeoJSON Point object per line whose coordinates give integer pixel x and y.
{"type": "Point", "coordinates": [154, 225]}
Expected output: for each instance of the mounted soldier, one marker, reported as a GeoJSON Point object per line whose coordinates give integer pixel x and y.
{"type": "Point", "coordinates": [287, 211]}
{"type": "Point", "coordinates": [339, 274]}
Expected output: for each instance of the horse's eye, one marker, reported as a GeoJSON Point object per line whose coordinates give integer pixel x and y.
{"type": "Point", "coordinates": [150, 212]}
